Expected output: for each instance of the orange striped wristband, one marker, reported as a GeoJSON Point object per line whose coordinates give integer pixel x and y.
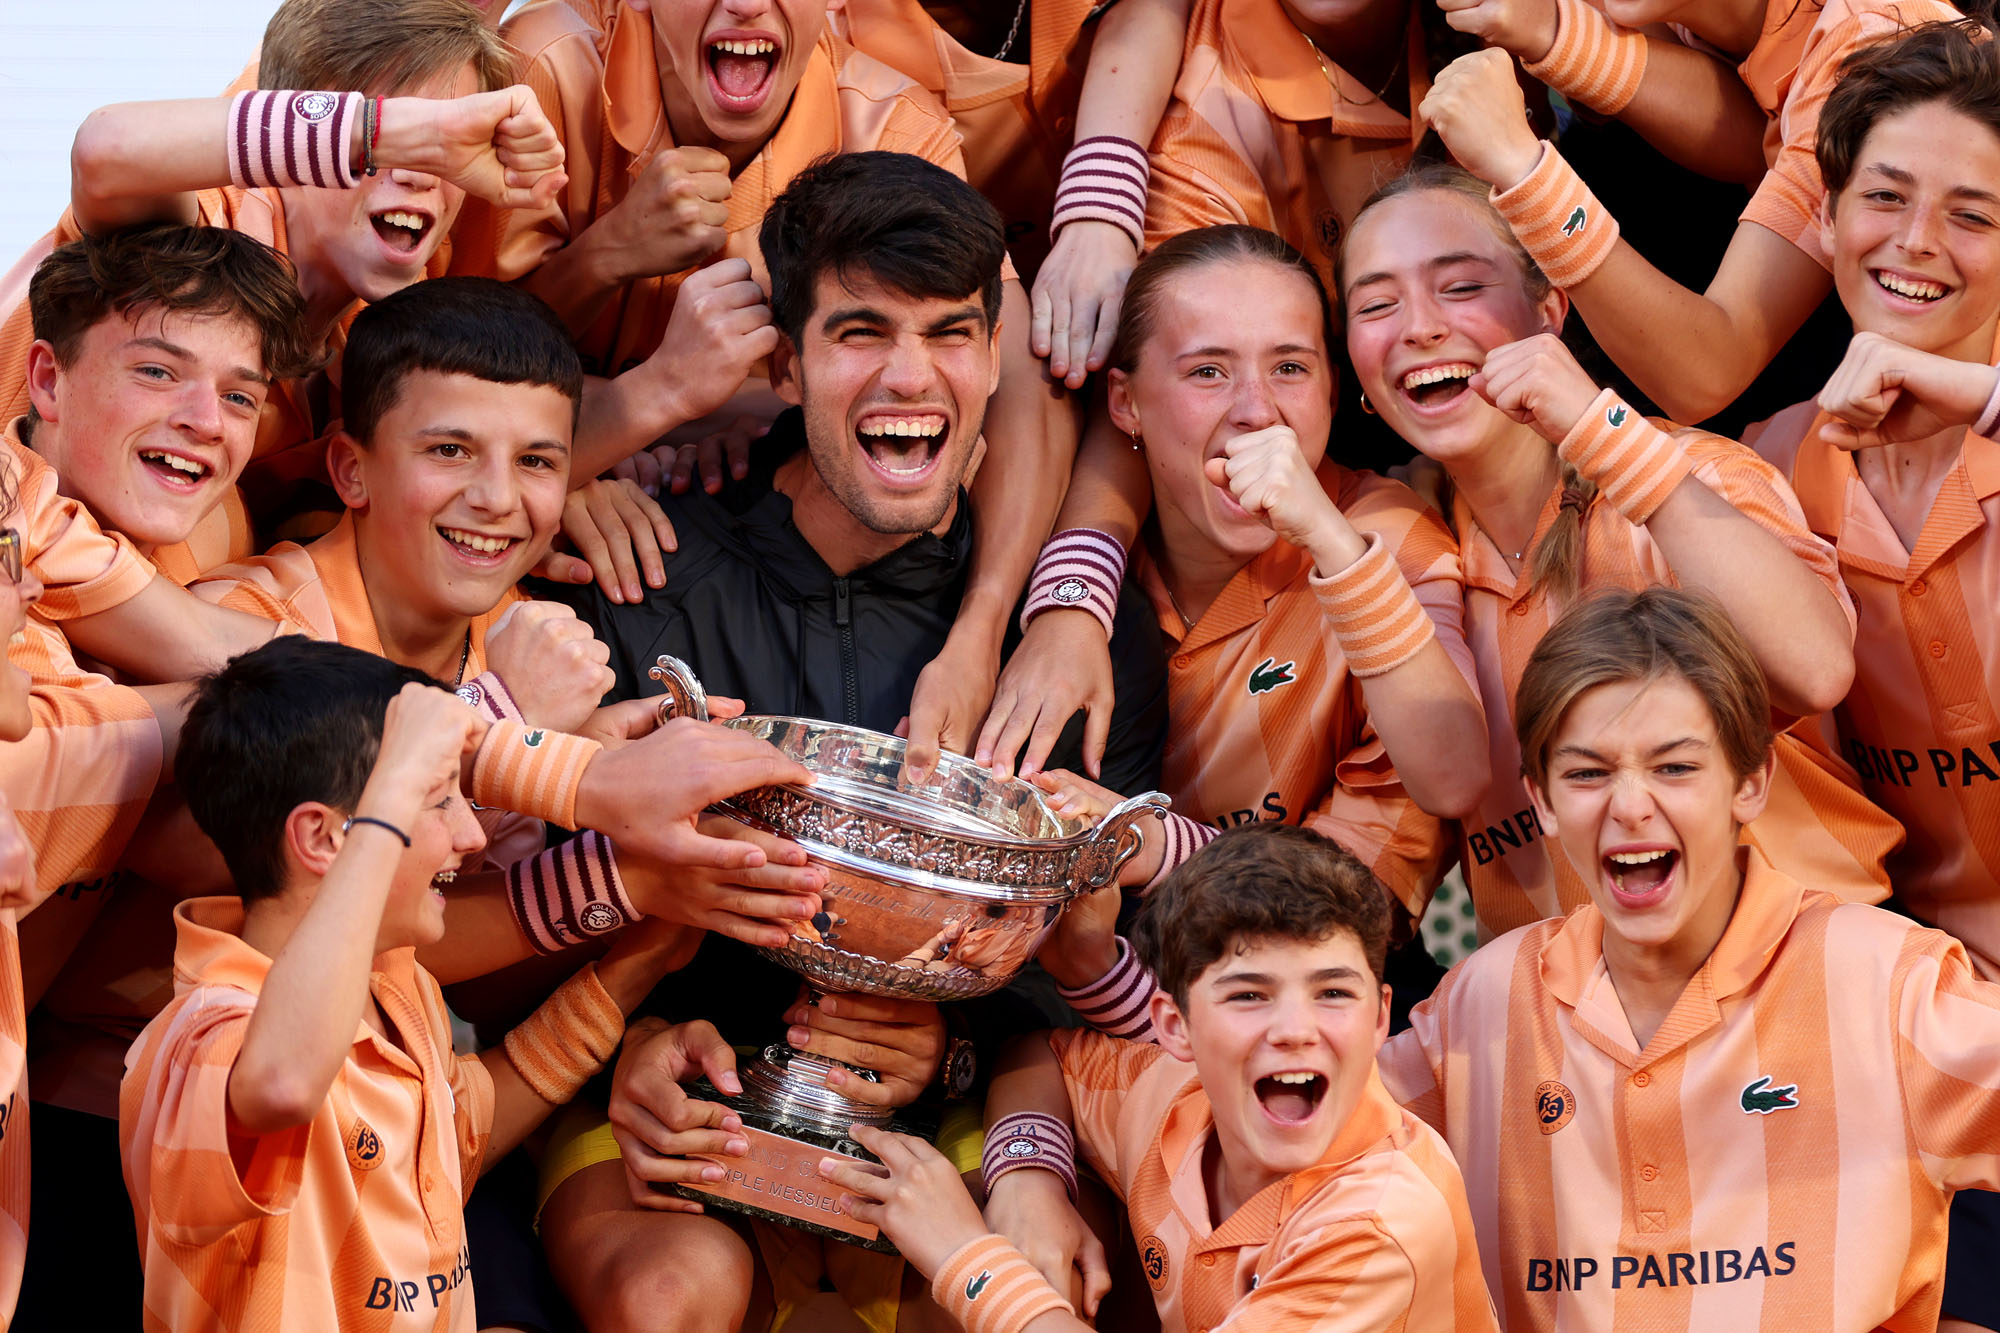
{"type": "Point", "coordinates": [561, 1045]}
{"type": "Point", "coordinates": [1593, 61]}
{"type": "Point", "coordinates": [1634, 463]}
{"type": "Point", "coordinates": [1371, 610]}
{"type": "Point", "coordinates": [1558, 220]}
{"type": "Point", "coordinates": [531, 771]}
{"type": "Point", "coordinates": [987, 1286]}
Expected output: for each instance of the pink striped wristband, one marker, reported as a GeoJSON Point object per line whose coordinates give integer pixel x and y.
{"type": "Point", "coordinates": [1989, 416]}
{"type": "Point", "coordinates": [488, 694]}
{"type": "Point", "coordinates": [1103, 180]}
{"type": "Point", "coordinates": [1119, 1003]}
{"type": "Point", "coordinates": [569, 893]}
{"type": "Point", "coordinates": [1029, 1139]}
{"type": "Point", "coordinates": [1080, 569]}
{"type": "Point", "coordinates": [282, 138]}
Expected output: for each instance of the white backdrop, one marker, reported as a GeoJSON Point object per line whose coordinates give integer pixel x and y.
{"type": "Point", "coordinates": [63, 58]}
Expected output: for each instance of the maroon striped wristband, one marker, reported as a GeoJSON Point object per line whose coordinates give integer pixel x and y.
{"type": "Point", "coordinates": [569, 893]}
{"type": "Point", "coordinates": [1103, 180]}
{"type": "Point", "coordinates": [1025, 1139]}
{"type": "Point", "coordinates": [1119, 1003]}
{"type": "Point", "coordinates": [281, 138]}
{"type": "Point", "coordinates": [1080, 569]}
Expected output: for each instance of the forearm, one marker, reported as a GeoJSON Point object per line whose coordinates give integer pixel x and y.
{"type": "Point", "coordinates": [1133, 63]}
{"type": "Point", "coordinates": [1027, 1078]}
{"type": "Point", "coordinates": [575, 282]}
{"type": "Point", "coordinates": [480, 933]}
{"type": "Point", "coordinates": [556, 1049]}
{"type": "Point", "coordinates": [313, 999]}
{"type": "Point", "coordinates": [1030, 448]}
{"type": "Point", "coordinates": [142, 162]}
{"type": "Point", "coordinates": [170, 706]}
{"type": "Point", "coordinates": [1699, 113]}
{"type": "Point", "coordinates": [1431, 724]}
{"type": "Point", "coordinates": [620, 417]}
{"type": "Point", "coordinates": [1110, 489]}
{"type": "Point", "coordinates": [165, 634]}
{"type": "Point", "coordinates": [1794, 624]}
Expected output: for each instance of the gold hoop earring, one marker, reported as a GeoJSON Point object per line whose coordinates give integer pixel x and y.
{"type": "Point", "coordinates": [1367, 406]}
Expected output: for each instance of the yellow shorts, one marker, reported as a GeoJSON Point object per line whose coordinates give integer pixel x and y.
{"type": "Point", "coordinates": [795, 1261]}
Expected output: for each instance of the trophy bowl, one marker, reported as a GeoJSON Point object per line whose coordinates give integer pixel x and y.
{"type": "Point", "coordinates": [939, 891]}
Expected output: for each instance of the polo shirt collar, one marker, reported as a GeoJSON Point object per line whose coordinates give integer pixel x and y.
{"type": "Point", "coordinates": [1839, 506]}
{"type": "Point", "coordinates": [1572, 966]}
{"type": "Point", "coordinates": [1241, 603]}
{"type": "Point", "coordinates": [636, 117]}
{"type": "Point", "coordinates": [1289, 80]}
{"type": "Point", "coordinates": [1485, 566]}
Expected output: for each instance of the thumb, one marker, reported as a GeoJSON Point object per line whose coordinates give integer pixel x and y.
{"type": "Point", "coordinates": [631, 718]}
{"type": "Point", "coordinates": [1096, 1272]}
{"type": "Point", "coordinates": [923, 729]}
{"type": "Point", "coordinates": [558, 567]}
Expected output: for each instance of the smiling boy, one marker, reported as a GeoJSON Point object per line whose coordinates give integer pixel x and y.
{"type": "Point", "coordinates": [1712, 1097]}
{"type": "Point", "coordinates": [1270, 1181]}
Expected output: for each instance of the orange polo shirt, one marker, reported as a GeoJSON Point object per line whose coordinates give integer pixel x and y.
{"type": "Point", "coordinates": [1258, 132]}
{"type": "Point", "coordinates": [1790, 71]}
{"type": "Point", "coordinates": [352, 1221]}
{"type": "Point", "coordinates": [14, 1153]}
{"type": "Point", "coordinates": [1375, 1235]}
{"type": "Point", "coordinates": [318, 590]}
{"type": "Point", "coordinates": [602, 92]}
{"type": "Point", "coordinates": [1017, 120]}
{"type": "Point", "coordinates": [1817, 825]}
{"type": "Point", "coordinates": [1780, 1156]}
{"type": "Point", "coordinates": [1922, 722]}
{"type": "Point", "coordinates": [1264, 720]}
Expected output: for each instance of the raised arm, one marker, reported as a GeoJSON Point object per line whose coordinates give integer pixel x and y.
{"type": "Point", "coordinates": [1691, 352]}
{"type": "Point", "coordinates": [165, 634]}
{"type": "Point", "coordinates": [144, 161]}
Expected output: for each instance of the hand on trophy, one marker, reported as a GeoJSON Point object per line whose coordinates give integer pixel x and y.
{"type": "Point", "coordinates": [915, 1196]}
{"type": "Point", "coordinates": [901, 1040]}
{"type": "Point", "coordinates": [758, 905]}
{"type": "Point", "coordinates": [657, 1125]}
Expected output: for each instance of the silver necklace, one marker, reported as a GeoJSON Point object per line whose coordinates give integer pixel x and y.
{"type": "Point", "coordinates": [1013, 31]}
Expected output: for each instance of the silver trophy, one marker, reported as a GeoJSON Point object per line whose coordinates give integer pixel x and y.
{"type": "Point", "coordinates": [937, 892]}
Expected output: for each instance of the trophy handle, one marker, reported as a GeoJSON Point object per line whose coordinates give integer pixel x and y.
{"type": "Point", "coordinates": [1117, 838]}
{"type": "Point", "coordinates": [684, 697]}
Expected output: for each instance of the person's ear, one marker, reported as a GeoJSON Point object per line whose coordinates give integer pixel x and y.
{"type": "Point", "coordinates": [1382, 1018]}
{"type": "Point", "coordinates": [44, 375]}
{"type": "Point", "coordinates": [1753, 791]}
{"type": "Point", "coordinates": [787, 380]}
{"type": "Point", "coordinates": [1826, 221]}
{"type": "Point", "coordinates": [313, 836]}
{"type": "Point", "coordinates": [1118, 400]}
{"type": "Point", "coordinates": [993, 360]}
{"type": "Point", "coordinates": [1545, 815]}
{"type": "Point", "coordinates": [347, 464]}
{"type": "Point", "coordinates": [1170, 1027]}
{"type": "Point", "coordinates": [1555, 310]}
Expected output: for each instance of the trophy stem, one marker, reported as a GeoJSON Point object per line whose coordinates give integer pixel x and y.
{"type": "Point", "coordinates": [790, 1086]}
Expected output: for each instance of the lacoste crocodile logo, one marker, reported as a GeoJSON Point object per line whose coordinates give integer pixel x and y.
{"type": "Point", "coordinates": [534, 738]}
{"type": "Point", "coordinates": [1759, 1099]}
{"type": "Point", "coordinates": [1616, 416]}
{"type": "Point", "coordinates": [978, 1284]}
{"type": "Point", "coordinates": [1268, 675]}
{"type": "Point", "coordinates": [1575, 222]}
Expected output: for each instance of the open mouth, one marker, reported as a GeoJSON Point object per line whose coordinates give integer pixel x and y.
{"type": "Point", "coordinates": [1292, 1097]}
{"type": "Point", "coordinates": [1910, 289]}
{"type": "Point", "coordinates": [175, 470]}
{"type": "Point", "coordinates": [402, 230]}
{"type": "Point", "coordinates": [1640, 877]}
{"type": "Point", "coordinates": [740, 70]}
{"type": "Point", "coordinates": [1434, 386]}
{"type": "Point", "coordinates": [478, 547]}
{"type": "Point", "coordinates": [905, 447]}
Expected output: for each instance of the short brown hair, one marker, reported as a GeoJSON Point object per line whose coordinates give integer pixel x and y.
{"type": "Point", "coordinates": [1197, 249]}
{"type": "Point", "coordinates": [378, 46]}
{"type": "Point", "coordinates": [1627, 636]}
{"type": "Point", "coordinates": [185, 270]}
{"type": "Point", "coordinates": [1955, 63]}
{"type": "Point", "coordinates": [1258, 882]}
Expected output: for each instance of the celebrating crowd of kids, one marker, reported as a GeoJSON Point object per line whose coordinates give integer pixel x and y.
{"type": "Point", "coordinates": [1532, 457]}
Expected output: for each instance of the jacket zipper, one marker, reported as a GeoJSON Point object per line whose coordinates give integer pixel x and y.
{"type": "Point", "coordinates": [843, 619]}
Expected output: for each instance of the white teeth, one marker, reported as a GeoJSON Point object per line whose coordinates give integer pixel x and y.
{"type": "Point", "coordinates": [1438, 375]}
{"type": "Point", "coordinates": [759, 47]}
{"type": "Point", "coordinates": [1912, 288]}
{"type": "Point", "coordinates": [473, 541]}
{"type": "Point", "coordinates": [412, 221]}
{"type": "Point", "coordinates": [905, 426]}
{"type": "Point", "coordinates": [1635, 858]}
{"type": "Point", "coordinates": [174, 461]}
{"type": "Point", "coordinates": [1294, 1078]}
{"type": "Point", "coordinates": [444, 877]}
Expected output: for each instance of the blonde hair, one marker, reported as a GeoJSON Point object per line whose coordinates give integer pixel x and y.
{"type": "Point", "coordinates": [1629, 636]}
{"type": "Point", "coordinates": [378, 46]}
{"type": "Point", "coordinates": [1557, 560]}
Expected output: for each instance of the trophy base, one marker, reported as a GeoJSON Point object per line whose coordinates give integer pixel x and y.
{"type": "Point", "coordinates": [792, 1120]}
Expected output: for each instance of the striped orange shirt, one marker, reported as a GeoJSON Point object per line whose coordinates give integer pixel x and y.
{"type": "Point", "coordinates": [1817, 825]}
{"type": "Point", "coordinates": [1790, 71]}
{"type": "Point", "coordinates": [1259, 131]}
{"type": "Point", "coordinates": [318, 590]}
{"type": "Point", "coordinates": [1017, 120]}
{"type": "Point", "coordinates": [14, 1153]}
{"type": "Point", "coordinates": [1922, 722]}
{"type": "Point", "coordinates": [1376, 1235]}
{"type": "Point", "coordinates": [354, 1221]}
{"type": "Point", "coordinates": [601, 90]}
{"type": "Point", "coordinates": [1780, 1156]}
{"type": "Point", "coordinates": [1265, 721]}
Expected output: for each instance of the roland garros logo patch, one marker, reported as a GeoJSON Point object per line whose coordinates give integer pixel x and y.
{"type": "Point", "coordinates": [364, 1147]}
{"type": "Point", "coordinates": [1153, 1258]}
{"type": "Point", "coordinates": [1555, 1106]}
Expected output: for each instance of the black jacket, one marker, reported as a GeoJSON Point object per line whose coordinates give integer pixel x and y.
{"type": "Point", "coordinates": [754, 610]}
